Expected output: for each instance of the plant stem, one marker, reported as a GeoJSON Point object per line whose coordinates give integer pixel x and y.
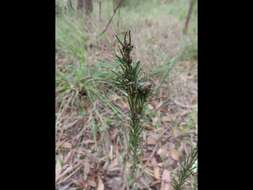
{"type": "Point", "coordinates": [130, 81]}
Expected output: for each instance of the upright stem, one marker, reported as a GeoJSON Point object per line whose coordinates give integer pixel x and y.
{"type": "Point", "coordinates": [129, 80]}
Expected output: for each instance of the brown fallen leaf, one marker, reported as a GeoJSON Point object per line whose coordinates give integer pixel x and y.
{"type": "Point", "coordinates": [150, 107]}
{"type": "Point", "coordinates": [114, 163]}
{"type": "Point", "coordinates": [151, 140]}
{"type": "Point", "coordinates": [58, 144]}
{"type": "Point", "coordinates": [163, 109]}
{"type": "Point", "coordinates": [86, 169]}
{"type": "Point", "coordinates": [162, 152]}
{"type": "Point", "coordinates": [92, 183]}
{"type": "Point", "coordinates": [119, 101]}
{"type": "Point", "coordinates": [148, 126]}
{"type": "Point", "coordinates": [154, 103]}
{"type": "Point", "coordinates": [157, 173]}
{"type": "Point", "coordinates": [155, 121]}
{"type": "Point", "coordinates": [117, 150]}
{"type": "Point", "coordinates": [100, 184]}
{"type": "Point", "coordinates": [175, 154]}
{"type": "Point", "coordinates": [114, 98]}
{"type": "Point", "coordinates": [113, 134]}
{"type": "Point", "coordinates": [166, 118]}
{"type": "Point", "coordinates": [89, 141]}
{"type": "Point", "coordinates": [67, 145]}
{"type": "Point", "coordinates": [159, 105]}
{"type": "Point", "coordinates": [175, 132]}
{"type": "Point", "coordinates": [166, 180]}
{"type": "Point", "coordinates": [67, 158]}
{"type": "Point", "coordinates": [111, 152]}
{"type": "Point", "coordinates": [154, 162]}
{"type": "Point", "coordinates": [58, 168]}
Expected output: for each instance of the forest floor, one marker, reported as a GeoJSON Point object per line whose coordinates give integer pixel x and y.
{"type": "Point", "coordinates": [91, 118]}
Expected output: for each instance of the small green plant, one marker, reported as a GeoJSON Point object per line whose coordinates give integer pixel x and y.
{"type": "Point", "coordinates": [131, 81]}
{"type": "Point", "coordinates": [187, 168]}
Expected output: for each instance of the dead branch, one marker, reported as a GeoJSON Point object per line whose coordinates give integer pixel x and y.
{"type": "Point", "coordinates": [110, 20]}
{"type": "Point", "coordinates": [192, 2]}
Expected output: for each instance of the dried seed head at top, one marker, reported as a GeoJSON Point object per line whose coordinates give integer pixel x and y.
{"type": "Point", "coordinates": [126, 48]}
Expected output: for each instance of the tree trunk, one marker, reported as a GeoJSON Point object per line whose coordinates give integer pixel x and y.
{"type": "Point", "coordinates": [85, 5]}
{"type": "Point", "coordinates": [88, 5]}
{"type": "Point", "coordinates": [192, 2]}
{"type": "Point", "coordinates": [80, 5]}
{"type": "Point", "coordinates": [100, 9]}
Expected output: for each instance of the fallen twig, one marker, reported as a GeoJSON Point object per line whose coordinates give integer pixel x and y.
{"type": "Point", "coordinates": [71, 168]}
{"type": "Point", "coordinates": [76, 168]}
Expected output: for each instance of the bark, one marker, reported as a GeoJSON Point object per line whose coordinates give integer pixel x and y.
{"type": "Point", "coordinates": [80, 5]}
{"type": "Point", "coordinates": [85, 5]}
{"type": "Point", "coordinates": [88, 5]}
